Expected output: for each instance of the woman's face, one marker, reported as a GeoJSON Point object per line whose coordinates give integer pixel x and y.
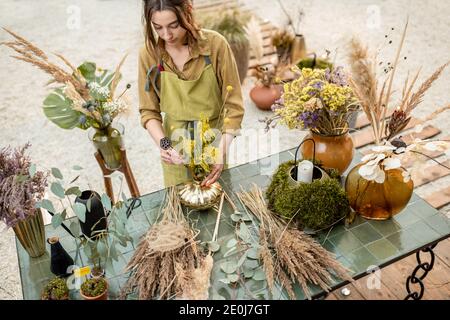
{"type": "Point", "coordinates": [168, 28]}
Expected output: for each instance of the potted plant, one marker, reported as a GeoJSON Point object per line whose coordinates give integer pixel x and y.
{"type": "Point", "coordinates": [266, 91]}
{"type": "Point", "coordinates": [85, 98]}
{"type": "Point", "coordinates": [101, 247]}
{"type": "Point", "coordinates": [380, 187]}
{"type": "Point", "coordinates": [21, 187]}
{"type": "Point", "coordinates": [56, 289]}
{"type": "Point", "coordinates": [320, 101]}
{"type": "Point", "coordinates": [298, 47]}
{"type": "Point", "coordinates": [230, 24]}
{"type": "Point", "coordinates": [94, 289]}
{"type": "Point", "coordinates": [283, 40]}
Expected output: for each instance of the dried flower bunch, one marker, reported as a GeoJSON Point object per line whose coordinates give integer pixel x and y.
{"type": "Point", "coordinates": [318, 100]}
{"type": "Point", "coordinates": [199, 148]}
{"type": "Point", "coordinates": [21, 186]}
{"type": "Point", "coordinates": [282, 40]}
{"type": "Point", "coordinates": [265, 73]}
{"type": "Point", "coordinates": [86, 96]}
{"type": "Point", "coordinates": [168, 248]}
{"type": "Point", "coordinates": [288, 254]}
{"type": "Point", "coordinates": [377, 104]}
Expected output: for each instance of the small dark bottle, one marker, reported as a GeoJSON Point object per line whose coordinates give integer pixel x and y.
{"type": "Point", "coordinates": [60, 260]}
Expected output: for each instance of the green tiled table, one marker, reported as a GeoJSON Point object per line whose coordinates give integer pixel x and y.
{"type": "Point", "coordinates": [360, 246]}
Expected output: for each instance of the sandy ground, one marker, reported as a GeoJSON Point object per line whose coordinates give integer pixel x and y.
{"type": "Point", "coordinates": [103, 30]}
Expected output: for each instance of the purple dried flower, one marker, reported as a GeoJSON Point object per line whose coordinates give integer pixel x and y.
{"type": "Point", "coordinates": [309, 119]}
{"type": "Point", "coordinates": [18, 191]}
{"type": "Point", "coordinates": [337, 77]}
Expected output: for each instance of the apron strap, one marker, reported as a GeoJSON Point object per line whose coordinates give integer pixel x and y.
{"type": "Point", "coordinates": [153, 81]}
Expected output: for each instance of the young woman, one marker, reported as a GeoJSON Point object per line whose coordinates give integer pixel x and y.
{"type": "Point", "coordinates": [184, 73]}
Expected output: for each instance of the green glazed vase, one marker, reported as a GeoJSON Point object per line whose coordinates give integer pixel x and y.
{"type": "Point", "coordinates": [109, 142]}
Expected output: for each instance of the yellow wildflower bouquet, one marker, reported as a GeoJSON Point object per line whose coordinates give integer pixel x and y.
{"type": "Point", "coordinates": [318, 100]}
{"type": "Point", "coordinates": [199, 148]}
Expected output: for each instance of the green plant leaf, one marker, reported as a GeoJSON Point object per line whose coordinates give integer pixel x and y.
{"type": "Point", "coordinates": [87, 250]}
{"type": "Point", "coordinates": [87, 70]}
{"type": "Point", "coordinates": [57, 220]}
{"type": "Point", "coordinates": [106, 202]}
{"type": "Point", "coordinates": [58, 109]}
{"type": "Point", "coordinates": [74, 228]}
{"type": "Point", "coordinates": [242, 259]}
{"type": "Point", "coordinates": [113, 253]}
{"type": "Point", "coordinates": [64, 214]}
{"type": "Point", "coordinates": [244, 233]}
{"type": "Point", "coordinates": [230, 252]}
{"type": "Point", "coordinates": [233, 277]}
{"type": "Point", "coordinates": [251, 264]}
{"type": "Point", "coordinates": [32, 170]}
{"type": "Point", "coordinates": [80, 211]}
{"type": "Point", "coordinates": [73, 190]}
{"type": "Point", "coordinates": [76, 167]}
{"type": "Point", "coordinates": [231, 243]}
{"type": "Point", "coordinates": [224, 293]}
{"type": "Point", "coordinates": [216, 296]}
{"type": "Point", "coordinates": [226, 281]}
{"type": "Point", "coordinates": [57, 173]}
{"type": "Point", "coordinates": [48, 205]}
{"type": "Point", "coordinates": [259, 275]}
{"type": "Point", "coordinates": [253, 253]}
{"type": "Point", "coordinates": [57, 190]}
{"type": "Point", "coordinates": [229, 267]}
{"type": "Point", "coordinates": [213, 246]}
{"type": "Point", "coordinates": [102, 249]}
{"type": "Point", "coordinates": [248, 273]}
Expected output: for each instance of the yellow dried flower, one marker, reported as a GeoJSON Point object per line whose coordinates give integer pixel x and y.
{"type": "Point", "coordinates": [229, 88]}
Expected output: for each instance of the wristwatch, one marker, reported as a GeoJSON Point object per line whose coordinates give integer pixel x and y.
{"type": "Point", "coordinates": [165, 143]}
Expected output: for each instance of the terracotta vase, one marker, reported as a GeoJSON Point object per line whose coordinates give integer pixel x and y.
{"type": "Point", "coordinates": [31, 234]}
{"type": "Point", "coordinates": [333, 151]}
{"type": "Point", "coordinates": [378, 201]}
{"type": "Point", "coordinates": [264, 97]}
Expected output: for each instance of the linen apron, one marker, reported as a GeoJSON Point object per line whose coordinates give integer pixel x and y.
{"type": "Point", "coordinates": [184, 102]}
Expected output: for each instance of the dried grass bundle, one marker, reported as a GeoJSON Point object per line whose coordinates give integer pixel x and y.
{"type": "Point", "coordinates": [28, 52]}
{"type": "Point", "coordinates": [254, 34]}
{"type": "Point", "coordinates": [166, 257]}
{"type": "Point", "coordinates": [288, 254]}
{"type": "Point", "coordinates": [377, 103]}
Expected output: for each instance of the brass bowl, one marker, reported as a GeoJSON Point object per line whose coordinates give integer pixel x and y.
{"type": "Point", "coordinates": [318, 174]}
{"type": "Point", "coordinates": [194, 196]}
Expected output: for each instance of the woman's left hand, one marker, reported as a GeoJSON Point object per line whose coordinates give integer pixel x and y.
{"type": "Point", "coordinates": [213, 176]}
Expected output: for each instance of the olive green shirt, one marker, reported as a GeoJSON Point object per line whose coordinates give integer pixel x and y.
{"type": "Point", "coordinates": [211, 44]}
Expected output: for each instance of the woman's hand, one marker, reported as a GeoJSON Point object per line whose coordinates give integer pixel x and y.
{"type": "Point", "coordinates": [171, 156]}
{"type": "Point", "coordinates": [213, 176]}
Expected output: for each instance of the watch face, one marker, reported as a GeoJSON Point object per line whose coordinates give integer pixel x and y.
{"type": "Point", "coordinates": [165, 143]}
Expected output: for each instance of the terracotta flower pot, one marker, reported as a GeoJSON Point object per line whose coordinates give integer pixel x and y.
{"type": "Point", "coordinates": [264, 97]}
{"type": "Point", "coordinates": [378, 201]}
{"type": "Point", "coordinates": [103, 296]}
{"type": "Point", "coordinates": [333, 151]}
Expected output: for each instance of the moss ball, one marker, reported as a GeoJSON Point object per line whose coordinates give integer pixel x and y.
{"type": "Point", "coordinates": [318, 204]}
{"type": "Point", "coordinates": [319, 64]}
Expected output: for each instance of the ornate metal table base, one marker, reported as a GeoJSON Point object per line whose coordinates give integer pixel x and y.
{"type": "Point", "coordinates": [414, 279]}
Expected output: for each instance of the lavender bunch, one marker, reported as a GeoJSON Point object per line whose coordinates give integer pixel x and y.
{"type": "Point", "coordinates": [20, 185]}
